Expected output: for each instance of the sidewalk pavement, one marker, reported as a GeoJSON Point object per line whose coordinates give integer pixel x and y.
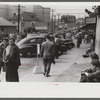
{"type": "Point", "coordinates": [67, 68]}
{"type": "Point", "coordinates": [73, 73]}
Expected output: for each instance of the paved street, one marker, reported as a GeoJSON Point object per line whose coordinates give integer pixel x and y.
{"type": "Point", "coordinates": [66, 69]}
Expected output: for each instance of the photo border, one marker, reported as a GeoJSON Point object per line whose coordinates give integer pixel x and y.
{"type": "Point", "coordinates": [83, 87]}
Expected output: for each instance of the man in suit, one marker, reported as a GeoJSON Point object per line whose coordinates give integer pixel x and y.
{"type": "Point", "coordinates": [11, 58]}
{"type": "Point", "coordinates": [48, 53]}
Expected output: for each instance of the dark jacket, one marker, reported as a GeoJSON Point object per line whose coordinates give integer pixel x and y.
{"type": "Point", "coordinates": [14, 56]}
{"type": "Point", "coordinates": [48, 50]}
{"type": "Point", "coordinates": [13, 64]}
{"type": "Point", "coordinates": [1, 52]}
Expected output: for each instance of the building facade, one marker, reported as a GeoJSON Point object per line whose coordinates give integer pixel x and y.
{"type": "Point", "coordinates": [42, 14]}
{"type": "Point", "coordinates": [9, 11]}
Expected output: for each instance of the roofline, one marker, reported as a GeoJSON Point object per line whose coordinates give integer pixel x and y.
{"type": "Point", "coordinates": [23, 19]}
{"type": "Point", "coordinates": [38, 5]}
{"type": "Point", "coordinates": [8, 25]}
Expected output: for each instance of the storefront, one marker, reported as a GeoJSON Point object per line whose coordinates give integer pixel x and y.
{"type": "Point", "coordinates": [90, 24]}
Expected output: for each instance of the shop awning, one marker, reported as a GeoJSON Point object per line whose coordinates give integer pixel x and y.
{"type": "Point", "coordinates": [89, 27]}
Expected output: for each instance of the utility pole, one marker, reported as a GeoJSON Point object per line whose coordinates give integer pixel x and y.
{"type": "Point", "coordinates": [58, 20]}
{"type": "Point", "coordinates": [18, 18]}
{"type": "Point", "coordinates": [52, 20]}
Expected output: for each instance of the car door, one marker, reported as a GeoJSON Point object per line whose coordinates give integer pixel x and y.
{"type": "Point", "coordinates": [32, 45]}
{"type": "Point", "coordinates": [27, 46]}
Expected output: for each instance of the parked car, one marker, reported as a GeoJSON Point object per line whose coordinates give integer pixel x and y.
{"type": "Point", "coordinates": [28, 45]}
{"type": "Point", "coordinates": [68, 43]}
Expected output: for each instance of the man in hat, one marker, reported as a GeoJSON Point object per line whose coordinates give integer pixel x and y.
{"type": "Point", "coordinates": [48, 53]}
{"type": "Point", "coordinates": [93, 74]}
{"type": "Point", "coordinates": [11, 58]}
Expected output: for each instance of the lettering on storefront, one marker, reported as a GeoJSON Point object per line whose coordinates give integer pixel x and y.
{"type": "Point", "coordinates": [90, 20]}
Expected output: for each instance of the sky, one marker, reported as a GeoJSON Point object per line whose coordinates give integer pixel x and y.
{"type": "Point", "coordinates": [77, 9]}
{"type": "Point", "coordinates": [65, 8]}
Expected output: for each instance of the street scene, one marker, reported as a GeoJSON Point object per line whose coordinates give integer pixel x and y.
{"type": "Point", "coordinates": [49, 43]}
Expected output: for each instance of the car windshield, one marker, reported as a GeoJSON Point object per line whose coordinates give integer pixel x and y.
{"type": "Point", "coordinates": [31, 40]}
{"type": "Point", "coordinates": [22, 41]}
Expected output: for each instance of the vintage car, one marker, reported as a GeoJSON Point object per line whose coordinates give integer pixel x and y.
{"type": "Point", "coordinates": [28, 45]}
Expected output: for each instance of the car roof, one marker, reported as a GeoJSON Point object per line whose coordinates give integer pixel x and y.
{"type": "Point", "coordinates": [30, 37]}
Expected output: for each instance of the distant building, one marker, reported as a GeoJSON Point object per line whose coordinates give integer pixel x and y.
{"type": "Point", "coordinates": [29, 20]}
{"type": "Point", "coordinates": [6, 26]}
{"type": "Point", "coordinates": [4, 11]}
{"type": "Point", "coordinates": [47, 14]}
{"type": "Point", "coordinates": [9, 11]}
{"type": "Point", "coordinates": [41, 15]}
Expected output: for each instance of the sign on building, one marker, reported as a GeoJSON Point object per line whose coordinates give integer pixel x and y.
{"type": "Point", "coordinates": [90, 20]}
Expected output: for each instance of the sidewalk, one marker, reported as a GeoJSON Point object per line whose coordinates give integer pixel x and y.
{"type": "Point", "coordinates": [67, 68]}
{"type": "Point", "coordinates": [72, 74]}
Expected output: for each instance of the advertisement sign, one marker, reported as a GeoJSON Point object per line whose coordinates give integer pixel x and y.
{"type": "Point", "coordinates": [90, 20]}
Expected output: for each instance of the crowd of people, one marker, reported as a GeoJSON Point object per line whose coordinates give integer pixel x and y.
{"type": "Point", "coordinates": [10, 57]}
{"type": "Point", "coordinates": [85, 39]}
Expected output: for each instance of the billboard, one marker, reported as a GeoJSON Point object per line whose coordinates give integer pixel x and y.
{"type": "Point", "coordinates": [90, 20]}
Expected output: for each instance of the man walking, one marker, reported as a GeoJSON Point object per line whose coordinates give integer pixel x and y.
{"type": "Point", "coordinates": [79, 40]}
{"type": "Point", "coordinates": [12, 60]}
{"type": "Point", "coordinates": [48, 53]}
{"type": "Point", "coordinates": [58, 45]}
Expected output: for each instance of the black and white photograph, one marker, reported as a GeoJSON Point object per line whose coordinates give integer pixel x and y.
{"type": "Point", "coordinates": [50, 49]}
{"type": "Point", "coordinates": [50, 42]}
